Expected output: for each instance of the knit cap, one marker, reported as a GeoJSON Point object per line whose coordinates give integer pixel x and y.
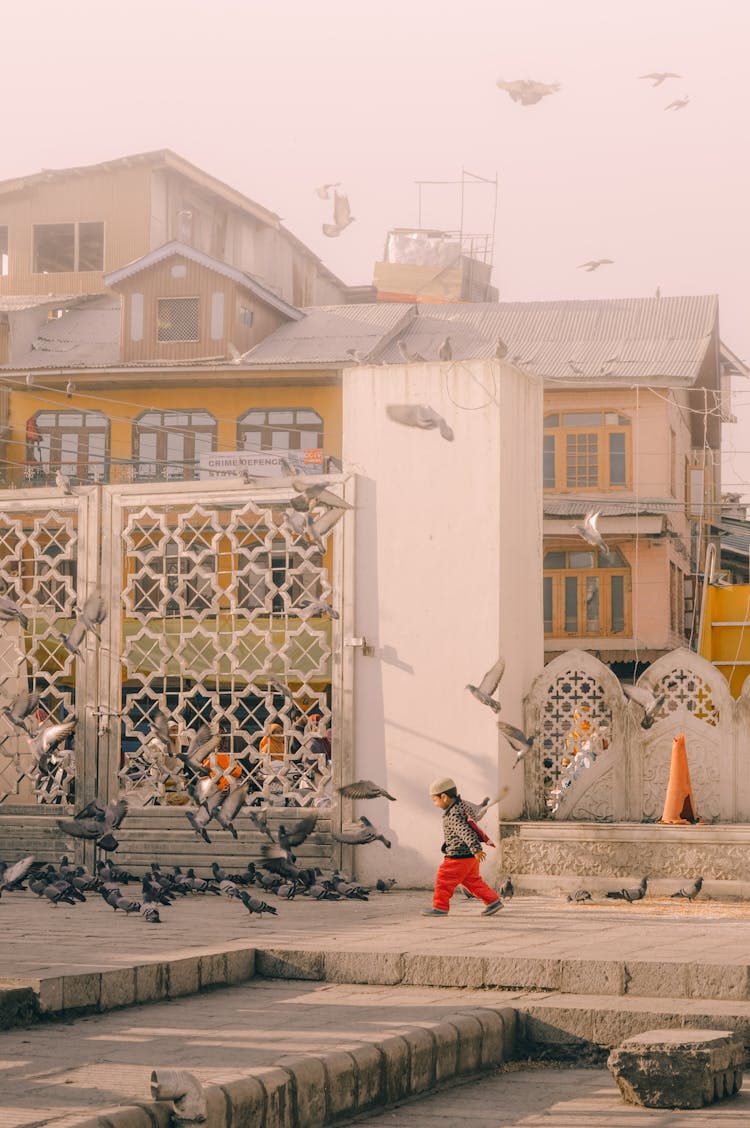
{"type": "Point", "coordinates": [438, 786]}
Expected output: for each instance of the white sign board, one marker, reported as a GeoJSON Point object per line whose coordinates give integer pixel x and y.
{"type": "Point", "coordinates": [258, 464]}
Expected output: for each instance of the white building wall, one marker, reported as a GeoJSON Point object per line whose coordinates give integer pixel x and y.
{"type": "Point", "coordinates": [447, 565]}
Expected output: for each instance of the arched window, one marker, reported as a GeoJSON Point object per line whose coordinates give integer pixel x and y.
{"type": "Point", "coordinates": [76, 442]}
{"type": "Point", "coordinates": [280, 428]}
{"type": "Point", "coordinates": [586, 450]}
{"type": "Point", "coordinates": [586, 593]}
{"type": "Point", "coordinates": [167, 445]}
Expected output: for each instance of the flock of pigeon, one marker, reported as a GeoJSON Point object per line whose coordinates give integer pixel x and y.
{"type": "Point", "coordinates": [687, 892]}
{"type": "Point", "coordinates": [527, 92]}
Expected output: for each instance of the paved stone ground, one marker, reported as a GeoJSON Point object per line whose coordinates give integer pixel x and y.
{"type": "Point", "coordinates": [43, 940]}
{"type": "Point", "coordinates": [519, 1097]}
{"type": "Point", "coordinates": [51, 1070]}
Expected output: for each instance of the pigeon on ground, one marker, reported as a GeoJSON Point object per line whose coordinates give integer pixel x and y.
{"type": "Point", "coordinates": [254, 905]}
{"type": "Point", "coordinates": [579, 895]}
{"type": "Point", "coordinates": [691, 891]}
{"type": "Point", "coordinates": [385, 884]}
{"type": "Point", "coordinates": [660, 76]}
{"type": "Point", "coordinates": [679, 103]}
{"type": "Point", "coordinates": [487, 686]}
{"type": "Point", "coordinates": [419, 415]}
{"type": "Point", "coordinates": [589, 531]}
{"type": "Point", "coordinates": [361, 835]}
{"type": "Point", "coordinates": [506, 890]}
{"type": "Point", "coordinates": [594, 264]}
{"type": "Point", "coordinates": [630, 895]}
{"type": "Point", "coordinates": [364, 789]}
{"type": "Point", "coordinates": [649, 702]}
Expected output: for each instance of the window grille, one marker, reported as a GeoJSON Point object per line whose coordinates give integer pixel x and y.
{"type": "Point", "coordinates": [178, 319]}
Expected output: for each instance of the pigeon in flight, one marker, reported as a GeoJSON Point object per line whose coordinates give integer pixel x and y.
{"type": "Point", "coordinates": [14, 874]}
{"type": "Point", "coordinates": [630, 895]}
{"type": "Point", "coordinates": [342, 216]}
{"type": "Point", "coordinates": [361, 835]}
{"type": "Point", "coordinates": [296, 834]}
{"type": "Point", "coordinates": [594, 264]}
{"type": "Point", "coordinates": [445, 349]}
{"type": "Point", "coordinates": [317, 492]}
{"type": "Point", "coordinates": [10, 610]}
{"type": "Point", "coordinates": [323, 191]}
{"type": "Point", "coordinates": [517, 739]}
{"type": "Point", "coordinates": [589, 531]}
{"type": "Point", "coordinates": [526, 91]}
{"type": "Point", "coordinates": [679, 103]}
{"type": "Point", "coordinates": [96, 821]}
{"type": "Point", "coordinates": [487, 686]}
{"type": "Point", "coordinates": [94, 612]}
{"type": "Point", "coordinates": [649, 702]}
{"type": "Point", "coordinates": [419, 415]}
{"type": "Point", "coordinates": [20, 707]}
{"type": "Point", "coordinates": [317, 607]}
{"type": "Point", "coordinates": [660, 76]}
{"type": "Point", "coordinates": [364, 789]}
{"type": "Point", "coordinates": [691, 891]}
{"type": "Point", "coordinates": [479, 810]}
{"type": "Point", "coordinates": [50, 736]}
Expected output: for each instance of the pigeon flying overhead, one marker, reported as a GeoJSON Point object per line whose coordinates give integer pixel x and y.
{"type": "Point", "coordinates": [324, 190]}
{"type": "Point", "coordinates": [10, 610]}
{"type": "Point", "coordinates": [364, 789]}
{"type": "Point", "coordinates": [660, 76]}
{"type": "Point", "coordinates": [679, 103]}
{"type": "Point", "coordinates": [526, 91]}
{"type": "Point", "coordinates": [487, 686]}
{"type": "Point", "coordinates": [419, 415]}
{"type": "Point", "coordinates": [342, 216]}
{"type": "Point", "coordinates": [594, 264]}
{"type": "Point", "coordinates": [650, 703]}
{"type": "Point", "coordinates": [517, 739]}
{"type": "Point", "coordinates": [317, 607]}
{"type": "Point", "coordinates": [589, 531]}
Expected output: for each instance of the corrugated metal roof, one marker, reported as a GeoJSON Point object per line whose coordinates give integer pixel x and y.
{"type": "Point", "coordinates": [86, 336]}
{"type": "Point", "coordinates": [14, 303]}
{"type": "Point", "coordinates": [240, 277]}
{"type": "Point", "coordinates": [644, 507]}
{"type": "Point", "coordinates": [331, 335]}
{"type": "Point", "coordinates": [610, 341]}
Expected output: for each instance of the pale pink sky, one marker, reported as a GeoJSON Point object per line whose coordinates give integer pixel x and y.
{"type": "Point", "coordinates": [275, 97]}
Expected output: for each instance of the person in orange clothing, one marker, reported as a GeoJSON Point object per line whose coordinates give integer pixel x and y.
{"type": "Point", "coordinates": [273, 743]}
{"type": "Point", "coordinates": [221, 765]}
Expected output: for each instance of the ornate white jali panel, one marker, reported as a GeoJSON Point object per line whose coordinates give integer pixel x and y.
{"type": "Point", "coordinates": [220, 608]}
{"type": "Point", "coordinates": [626, 777]}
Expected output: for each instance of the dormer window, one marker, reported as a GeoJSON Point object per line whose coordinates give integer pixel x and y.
{"type": "Point", "coordinates": [178, 319]}
{"type": "Point", "coordinates": [63, 248]}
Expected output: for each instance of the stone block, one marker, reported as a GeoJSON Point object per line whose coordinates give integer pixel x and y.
{"type": "Point", "coordinates": [81, 992]}
{"type": "Point", "coordinates": [557, 1026]}
{"type": "Point", "coordinates": [656, 980]}
{"type": "Point", "coordinates": [717, 981]}
{"type": "Point", "coordinates": [150, 982]}
{"type": "Point", "coordinates": [216, 1106]}
{"type": "Point", "coordinates": [469, 1032]}
{"type": "Point", "coordinates": [395, 1051]}
{"type": "Point", "coordinates": [363, 967]}
{"type": "Point", "coordinates": [443, 971]}
{"type": "Point", "coordinates": [183, 976]}
{"type": "Point", "coordinates": [593, 977]}
{"type": "Point", "coordinates": [18, 1007]}
{"type": "Point", "coordinates": [212, 969]}
{"type": "Point", "coordinates": [246, 1102]}
{"type": "Point", "coordinates": [279, 964]}
{"type": "Point", "coordinates": [279, 1090]}
{"type": "Point", "coordinates": [240, 965]}
{"type": "Point", "coordinates": [370, 1065]}
{"type": "Point", "coordinates": [341, 1084]}
{"type": "Point", "coordinates": [446, 1051]}
{"type": "Point", "coordinates": [117, 988]}
{"type": "Point", "coordinates": [50, 993]}
{"type": "Point", "coordinates": [309, 1084]}
{"type": "Point", "coordinates": [510, 972]}
{"type": "Point", "coordinates": [421, 1059]}
{"type": "Point", "coordinates": [492, 1044]}
{"type": "Point", "coordinates": [678, 1068]}
{"type": "Point", "coordinates": [511, 1025]}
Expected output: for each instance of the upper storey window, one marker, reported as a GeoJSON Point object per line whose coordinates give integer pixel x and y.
{"type": "Point", "coordinates": [61, 248]}
{"type": "Point", "coordinates": [585, 450]}
{"type": "Point", "coordinates": [178, 319]}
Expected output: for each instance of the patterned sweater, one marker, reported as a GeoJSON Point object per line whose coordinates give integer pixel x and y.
{"type": "Point", "coordinates": [461, 841]}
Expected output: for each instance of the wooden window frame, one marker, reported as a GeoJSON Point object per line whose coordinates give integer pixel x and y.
{"type": "Point", "coordinates": [556, 578]}
{"type": "Point", "coordinates": [143, 425]}
{"type": "Point", "coordinates": [267, 429]}
{"type": "Point", "coordinates": [75, 226]}
{"type": "Point", "coordinates": [55, 434]}
{"type": "Point", "coordinates": [598, 435]}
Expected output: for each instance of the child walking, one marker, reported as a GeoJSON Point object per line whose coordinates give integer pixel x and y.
{"type": "Point", "coordinates": [463, 850]}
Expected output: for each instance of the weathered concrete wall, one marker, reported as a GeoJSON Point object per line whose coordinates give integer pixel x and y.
{"type": "Point", "coordinates": [447, 576]}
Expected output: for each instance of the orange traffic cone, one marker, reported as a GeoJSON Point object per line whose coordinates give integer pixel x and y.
{"type": "Point", "coordinates": [679, 806]}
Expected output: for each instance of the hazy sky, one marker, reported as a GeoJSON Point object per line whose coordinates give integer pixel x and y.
{"type": "Point", "coordinates": [277, 96]}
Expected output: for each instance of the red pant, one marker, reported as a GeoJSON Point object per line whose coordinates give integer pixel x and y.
{"type": "Point", "coordinates": [460, 871]}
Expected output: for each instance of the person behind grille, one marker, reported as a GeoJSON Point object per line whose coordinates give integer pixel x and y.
{"type": "Point", "coordinates": [463, 848]}
{"type": "Point", "coordinates": [273, 743]}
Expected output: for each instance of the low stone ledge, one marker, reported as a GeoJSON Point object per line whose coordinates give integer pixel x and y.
{"type": "Point", "coordinates": [678, 1068]}
{"type": "Point", "coordinates": [282, 963]}
{"type": "Point", "coordinates": [18, 1006]}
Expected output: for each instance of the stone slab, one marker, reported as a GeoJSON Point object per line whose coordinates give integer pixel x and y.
{"type": "Point", "coordinates": [667, 1068]}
